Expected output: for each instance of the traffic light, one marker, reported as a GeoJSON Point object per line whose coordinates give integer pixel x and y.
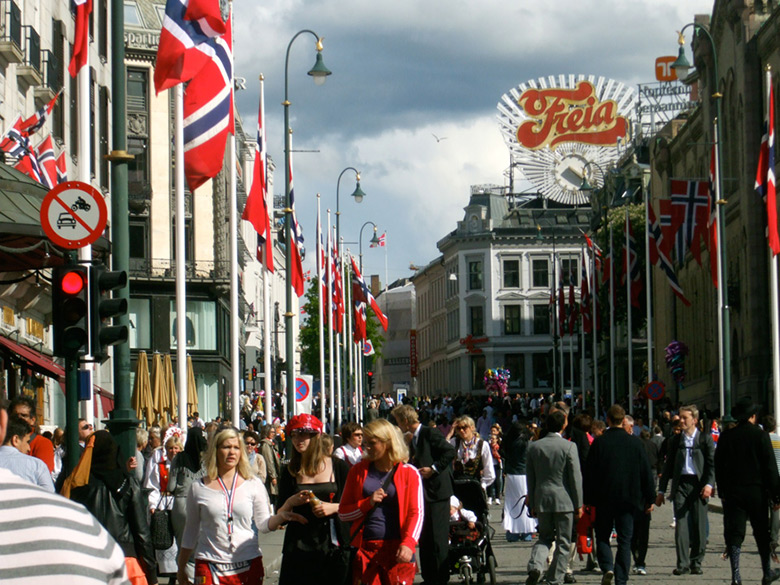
{"type": "Point", "coordinates": [370, 378]}
{"type": "Point", "coordinates": [103, 308]}
{"type": "Point", "coordinates": [254, 373]}
{"type": "Point", "coordinates": [70, 310]}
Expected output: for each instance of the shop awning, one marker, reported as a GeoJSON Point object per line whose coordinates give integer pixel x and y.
{"type": "Point", "coordinates": [36, 361]}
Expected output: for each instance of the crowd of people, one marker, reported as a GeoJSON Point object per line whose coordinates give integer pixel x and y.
{"type": "Point", "coordinates": [378, 506]}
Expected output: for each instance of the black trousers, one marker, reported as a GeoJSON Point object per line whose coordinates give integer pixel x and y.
{"type": "Point", "coordinates": [434, 543]}
{"type": "Point", "coordinates": [641, 538]}
{"type": "Point", "coordinates": [737, 511]}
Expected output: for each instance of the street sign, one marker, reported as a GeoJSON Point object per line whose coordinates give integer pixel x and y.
{"type": "Point", "coordinates": [655, 390]}
{"type": "Point", "coordinates": [303, 394]}
{"type": "Point", "coordinates": [301, 389]}
{"type": "Point", "coordinates": [73, 214]}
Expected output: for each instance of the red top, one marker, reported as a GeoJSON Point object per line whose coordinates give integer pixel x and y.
{"type": "Point", "coordinates": [43, 449]}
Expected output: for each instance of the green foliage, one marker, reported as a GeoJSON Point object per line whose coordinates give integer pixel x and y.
{"type": "Point", "coordinates": [310, 337]}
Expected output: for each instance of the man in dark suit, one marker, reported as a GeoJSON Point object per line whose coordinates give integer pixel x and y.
{"type": "Point", "coordinates": [748, 481]}
{"type": "Point", "coordinates": [690, 466]}
{"type": "Point", "coordinates": [430, 452]}
{"type": "Point", "coordinates": [619, 483]}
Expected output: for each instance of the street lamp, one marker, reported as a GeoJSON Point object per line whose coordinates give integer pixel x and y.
{"type": "Point", "coordinates": [374, 240]}
{"type": "Point", "coordinates": [319, 72]}
{"type": "Point", "coordinates": [357, 194]}
{"type": "Point", "coordinates": [681, 67]}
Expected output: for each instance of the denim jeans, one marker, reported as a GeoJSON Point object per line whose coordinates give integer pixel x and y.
{"type": "Point", "coordinates": [623, 522]}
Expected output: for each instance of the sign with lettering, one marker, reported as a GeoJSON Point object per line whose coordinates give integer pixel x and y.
{"type": "Point", "coordinates": [413, 353]}
{"type": "Point", "coordinates": [663, 68]}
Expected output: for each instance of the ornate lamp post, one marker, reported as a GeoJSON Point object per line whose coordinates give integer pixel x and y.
{"type": "Point", "coordinates": [374, 240]}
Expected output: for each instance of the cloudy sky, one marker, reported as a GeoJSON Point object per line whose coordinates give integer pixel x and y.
{"type": "Point", "coordinates": [404, 70]}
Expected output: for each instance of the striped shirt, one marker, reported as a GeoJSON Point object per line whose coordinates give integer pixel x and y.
{"type": "Point", "coordinates": [45, 538]}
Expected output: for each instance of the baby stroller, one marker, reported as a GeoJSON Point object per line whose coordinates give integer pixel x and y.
{"type": "Point", "coordinates": [470, 555]}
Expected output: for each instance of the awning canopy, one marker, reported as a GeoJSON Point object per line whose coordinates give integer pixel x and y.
{"type": "Point", "coordinates": [36, 361]}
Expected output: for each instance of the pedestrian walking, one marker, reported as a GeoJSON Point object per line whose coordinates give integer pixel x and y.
{"type": "Point", "coordinates": [748, 480]}
{"type": "Point", "coordinates": [555, 498]}
{"type": "Point", "coordinates": [518, 522]}
{"type": "Point", "coordinates": [619, 483]}
{"type": "Point", "coordinates": [690, 467]}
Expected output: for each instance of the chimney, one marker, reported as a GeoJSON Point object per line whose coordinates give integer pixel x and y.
{"type": "Point", "coordinates": [376, 286]}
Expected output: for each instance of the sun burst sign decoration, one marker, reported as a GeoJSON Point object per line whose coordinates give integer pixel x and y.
{"type": "Point", "coordinates": [555, 126]}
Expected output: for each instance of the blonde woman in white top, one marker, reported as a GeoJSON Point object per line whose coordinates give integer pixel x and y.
{"type": "Point", "coordinates": [220, 511]}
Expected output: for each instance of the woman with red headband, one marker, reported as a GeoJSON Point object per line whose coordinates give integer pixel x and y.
{"type": "Point", "coordinates": [318, 551]}
{"type": "Point", "coordinates": [384, 501]}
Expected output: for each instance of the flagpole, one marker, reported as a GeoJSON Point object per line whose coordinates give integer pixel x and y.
{"type": "Point", "coordinates": [235, 330]}
{"type": "Point", "coordinates": [85, 176]}
{"type": "Point", "coordinates": [267, 378]}
{"type": "Point", "coordinates": [387, 282]}
{"type": "Point", "coordinates": [721, 236]}
{"type": "Point", "coordinates": [179, 245]}
{"type": "Point", "coordinates": [320, 321]}
{"type": "Point", "coordinates": [611, 319]}
{"type": "Point", "coordinates": [329, 302]}
{"type": "Point", "coordinates": [584, 276]}
{"type": "Point", "coordinates": [629, 340]}
{"type": "Point", "coordinates": [594, 324]}
{"type": "Point", "coordinates": [649, 301]}
{"type": "Point", "coordinates": [347, 336]}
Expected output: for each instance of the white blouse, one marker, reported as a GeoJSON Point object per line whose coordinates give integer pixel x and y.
{"type": "Point", "coordinates": [207, 522]}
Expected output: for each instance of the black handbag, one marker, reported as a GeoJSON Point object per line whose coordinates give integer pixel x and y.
{"type": "Point", "coordinates": [161, 527]}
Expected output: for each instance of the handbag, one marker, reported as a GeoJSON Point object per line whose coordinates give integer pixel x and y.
{"type": "Point", "coordinates": [161, 526]}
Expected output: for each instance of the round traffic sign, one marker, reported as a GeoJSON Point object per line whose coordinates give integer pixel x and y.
{"type": "Point", "coordinates": [73, 214]}
{"type": "Point", "coordinates": [655, 390]}
{"type": "Point", "coordinates": [301, 389]}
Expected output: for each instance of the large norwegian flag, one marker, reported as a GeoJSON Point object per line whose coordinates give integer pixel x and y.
{"type": "Point", "coordinates": [364, 295]}
{"type": "Point", "coordinates": [208, 114]}
{"type": "Point", "coordinates": [28, 164]}
{"type": "Point", "coordinates": [765, 176]}
{"type": "Point", "coordinates": [14, 143]}
{"type": "Point", "coordinates": [81, 38]}
{"type": "Point", "coordinates": [691, 205]}
{"type": "Point", "coordinates": [659, 258]}
{"type": "Point", "coordinates": [256, 210]}
{"type": "Point", "coordinates": [631, 268]}
{"type": "Point", "coordinates": [712, 225]}
{"type": "Point", "coordinates": [186, 40]}
{"type": "Point", "coordinates": [62, 168]}
{"type": "Point", "coordinates": [295, 245]}
{"type": "Point", "coordinates": [35, 122]}
{"type": "Point", "coordinates": [338, 285]}
{"type": "Point", "coordinates": [586, 300]}
{"type": "Point", "coordinates": [47, 162]}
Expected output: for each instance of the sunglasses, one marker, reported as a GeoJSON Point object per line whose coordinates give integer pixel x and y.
{"type": "Point", "coordinates": [251, 444]}
{"type": "Point", "coordinates": [86, 427]}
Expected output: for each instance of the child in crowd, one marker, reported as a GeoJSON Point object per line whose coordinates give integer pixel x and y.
{"type": "Point", "coordinates": [463, 522]}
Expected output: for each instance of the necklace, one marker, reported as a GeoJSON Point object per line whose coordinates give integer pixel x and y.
{"type": "Point", "coordinates": [229, 497]}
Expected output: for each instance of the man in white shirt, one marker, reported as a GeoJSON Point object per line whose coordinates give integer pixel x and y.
{"type": "Point", "coordinates": [15, 455]}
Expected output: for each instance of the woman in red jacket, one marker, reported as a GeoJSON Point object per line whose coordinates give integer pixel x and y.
{"type": "Point", "coordinates": [383, 498]}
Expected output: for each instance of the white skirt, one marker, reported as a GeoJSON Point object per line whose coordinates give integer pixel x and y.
{"type": "Point", "coordinates": [516, 515]}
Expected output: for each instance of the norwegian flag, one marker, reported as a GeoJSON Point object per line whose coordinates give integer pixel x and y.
{"type": "Point", "coordinates": [631, 265]}
{"type": "Point", "coordinates": [47, 162]}
{"type": "Point", "coordinates": [595, 250]}
{"type": "Point", "coordinates": [586, 300]}
{"type": "Point", "coordinates": [256, 210]}
{"type": "Point", "coordinates": [715, 431]}
{"type": "Point", "coordinates": [712, 225]}
{"type": "Point", "coordinates": [573, 309]}
{"type": "Point", "coordinates": [691, 202]}
{"type": "Point", "coordinates": [186, 40]}
{"type": "Point", "coordinates": [35, 122]}
{"type": "Point", "coordinates": [62, 168]}
{"type": "Point", "coordinates": [14, 143]}
{"type": "Point", "coordinates": [670, 222]}
{"type": "Point", "coordinates": [28, 164]}
{"type": "Point", "coordinates": [362, 294]}
{"type": "Point", "coordinates": [295, 245]}
{"type": "Point", "coordinates": [338, 286]}
{"type": "Point", "coordinates": [381, 243]}
{"type": "Point", "coordinates": [659, 258]}
{"type": "Point", "coordinates": [561, 311]}
{"type": "Point", "coordinates": [765, 176]}
{"type": "Point", "coordinates": [81, 38]}
{"type": "Point", "coordinates": [208, 114]}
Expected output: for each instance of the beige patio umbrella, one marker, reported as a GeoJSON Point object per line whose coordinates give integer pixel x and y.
{"type": "Point", "coordinates": [192, 391]}
{"type": "Point", "coordinates": [170, 388]}
{"type": "Point", "coordinates": [159, 392]}
{"type": "Point", "coordinates": [142, 391]}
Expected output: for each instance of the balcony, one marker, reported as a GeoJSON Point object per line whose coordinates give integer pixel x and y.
{"type": "Point", "coordinates": [52, 79]}
{"type": "Point", "coordinates": [10, 33]}
{"type": "Point", "coordinates": [29, 72]}
{"type": "Point", "coordinates": [164, 269]}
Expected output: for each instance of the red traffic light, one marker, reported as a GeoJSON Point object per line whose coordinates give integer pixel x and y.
{"type": "Point", "coordinates": [72, 283]}
{"type": "Point", "coordinates": [369, 374]}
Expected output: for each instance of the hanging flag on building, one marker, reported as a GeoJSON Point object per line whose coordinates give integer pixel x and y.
{"type": "Point", "coordinates": [256, 210]}
{"type": "Point", "coordinates": [690, 204]}
{"type": "Point", "coordinates": [35, 122]}
{"type": "Point", "coordinates": [81, 37]}
{"type": "Point", "coordinates": [208, 114]}
{"type": "Point", "coordinates": [765, 176]}
{"type": "Point", "coordinates": [47, 162]}
{"type": "Point", "coordinates": [62, 168]}
{"type": "Point", "coordinates": [186, 44]}
{"type": "Point", "coordinates": [631, 268]}
{"type": "Point", "coordinates": [659, 258]}
{"type": "Point", "coordinates": [14, 143]}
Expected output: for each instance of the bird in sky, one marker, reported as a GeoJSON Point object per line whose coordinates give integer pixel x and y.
{"type": "Point", "coordinates": [437, 138]}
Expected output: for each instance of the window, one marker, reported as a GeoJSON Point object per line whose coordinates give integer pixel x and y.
{"type": "Point", "coordinates": [201, 325]}
{"type": "Point", "coordinates": [189, 242]}
{"type": "Point", "coordinates": [541, 319]}
{"type": "Point", "coordinates": [139, 314]}
{"type": "Point", "coordinates": [511, 273]}
{"type": "Point", "coordinates": [56, 59]}
{"type": "Point", "coordinates": [132, 16]}
{"type": "Point", "coordinates": [477, 372]}
{"type": "Point", "coordinates": [137, 90]}
{"type": "Point", "coordinates": [541, 273]}
{"type": "Point", "coordinates": [515, 363]}
{"type": "Point", "coordinates": [139, 239]}
{"type": "Point", "coordinates": [542, 370]}
{"type": "Point", "coordinates": [138, 169]}
{"type": "Point", "coordinates": [475, 275]}
{"type": "Point", "coordinates": [476, 321]}
{"type": "Point", "coordinates": [104, 129]}
{"type": "Point", "coordinates": [512, 320]}
{"type": "Point", "coordinates": [453, 325]}
{"type": "Point", "coordinates": [102, 7]}
{"type": "Point", "coordinates": [569, 270]}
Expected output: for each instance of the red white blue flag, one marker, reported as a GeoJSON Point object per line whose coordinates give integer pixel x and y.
{"type": "Point", "coordinates": [81, 38]}
{"type": "Point", "coordinates": [361, 293]}
{"type": "Point", "coordinates": [712, 225]}
{"type": "Point", "coordinates": [34, 123]}
{"type": "Point", "coordinates": [691, 205]}
{"type": "Point", "coordinates": [765, 177]}
{"type": "Point", "coordinates": [256, 210]}
{"type": "Point", "coordinates": [208, 114]}
{"type": "Point", "coordinates": [659, 258]}
{"type": "Point", "coordinates": [295, 245]}
{"type": "Point", "coordinates": [186, 40]}
{"type": "Point", "coordinates": [338, 285]}
{"type": "Point", "coordinates": [381, 241]}
{"type": "Point", "coordinates": [47, 162]}
{"type": "Point", "coordinates": [14, 143]}
{"type": "Point", "coordinates": [62, 168]}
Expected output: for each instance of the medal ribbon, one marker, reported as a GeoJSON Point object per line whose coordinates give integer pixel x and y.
{"type": "Point", "coordinates": [229, 499]}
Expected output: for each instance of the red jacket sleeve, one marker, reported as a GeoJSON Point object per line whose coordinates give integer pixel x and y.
{"type": "Point", "coordinates": [353, 506]}
{"type": "Point", "coordinates": [43, 449]}
{"type": "Point", "coordinates": [412, 520]}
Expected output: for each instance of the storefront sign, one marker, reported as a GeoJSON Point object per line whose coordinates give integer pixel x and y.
{"type": "Point", "coordinates": [413, 353]}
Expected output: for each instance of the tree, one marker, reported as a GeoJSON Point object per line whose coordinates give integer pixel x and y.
{"type": "Point", "coordinates": [309, 333]}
